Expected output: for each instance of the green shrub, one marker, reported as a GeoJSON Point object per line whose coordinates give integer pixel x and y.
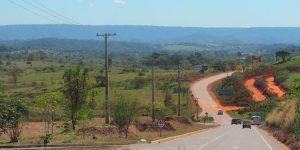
{"type": "Point", "coordinates": [141, 74]}
{"type": "Point", "coordinates": [280, 77]}
{"type": "Point", "coordinates": [124, 114]}
{"type": "Point", "coordinates": [46, 139]}
{"type": "Point", "coordinates": [67, 126]}
{"type": "Point", "coordinates": [12, 114]}
{"type": "Point", "coordinates": [161, 111]}
{"type": "Point", "coordinates": [238, 94]}
{"type": "Point", "coordinates": [261, 85]}
{"type": "Point", "coordinates": [137, 83]}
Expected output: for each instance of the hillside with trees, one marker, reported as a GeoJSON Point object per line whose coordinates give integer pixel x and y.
{"type": "Point", "coordinates": [155, 34]}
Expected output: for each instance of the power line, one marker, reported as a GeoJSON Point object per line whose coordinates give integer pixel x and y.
{"type": "Point", "coordinates": [46, 12]}
{"type": "Point", "coordinates": [55, 12]}
{"type": "Point", "coordinates": [107, 103]}
{"type": "Point", "coordinates": [32, 12]}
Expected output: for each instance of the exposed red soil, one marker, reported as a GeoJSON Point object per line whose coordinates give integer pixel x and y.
{"type": "Point", "coordinates": [257, 95]}
{"type": "Point", "coordinates": [273, 88]}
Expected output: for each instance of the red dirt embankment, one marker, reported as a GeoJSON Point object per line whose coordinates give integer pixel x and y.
{"type": "Point", "coordinates": [257, 95]}
{"type": "Point", "coordinates": [273, 88]}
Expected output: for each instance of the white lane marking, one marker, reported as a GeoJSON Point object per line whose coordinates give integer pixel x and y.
{"type": "Point", "coordinates": [269, 146]}
{"type": "Point", "coordinates": [213, 140]}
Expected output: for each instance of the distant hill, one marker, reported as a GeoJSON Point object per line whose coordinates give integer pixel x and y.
{"type": "Point", "coordinates": [73, 44]}
{"type": "Point", "coordinates": [155, 34]}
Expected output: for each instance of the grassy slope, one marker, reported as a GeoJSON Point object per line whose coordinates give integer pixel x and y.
{"type": "Point", "coordinates": [292, 78]}
{"type": "Point", "coordinates": [53, 81]}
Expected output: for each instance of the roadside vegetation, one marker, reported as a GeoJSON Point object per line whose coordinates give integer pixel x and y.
{"type": "Point", "coordinates": [280, 112]}
{"type": "Point", "coordinates": [58, 97]}
{"type": "Point", "coordinates": [61, 101]}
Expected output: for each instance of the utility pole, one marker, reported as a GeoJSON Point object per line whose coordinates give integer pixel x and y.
{"type": "Point", "coordinates": [197, 109]}
{"type": "Point", "coordinates": [107, 103]}
{"type": "Point", "coordinates": [227, 70]}
{"type": "Point", "coordinates": [188, 102]}
{"type": "Point", "coordinates": [179, 89]}
{"type": "Point", "coordinates": [153, 91]}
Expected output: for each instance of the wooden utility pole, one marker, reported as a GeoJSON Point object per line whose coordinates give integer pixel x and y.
{"type": "Point", "coordinates": [188, 102]}
{"type": "Point", "coordinates": [179, 89]}
{"type": "Point", "coordinates": [153, 91]}
{"type": "Point", "coordinates": [197, 110]}
{"type": "Point", "coordinates": [107, 103]}
{"type": "Point", "coordinates": [227, 70]}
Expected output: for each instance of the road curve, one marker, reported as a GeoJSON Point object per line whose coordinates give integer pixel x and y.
{"type": "Point", "coordinates": [225, 137]}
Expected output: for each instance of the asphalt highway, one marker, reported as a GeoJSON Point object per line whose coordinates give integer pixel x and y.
{"type": "Point", "coordinates": [225, 137]}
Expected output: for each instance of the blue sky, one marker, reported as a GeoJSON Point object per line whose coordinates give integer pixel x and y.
{"type": "Point", "coordinates": [192, 13]}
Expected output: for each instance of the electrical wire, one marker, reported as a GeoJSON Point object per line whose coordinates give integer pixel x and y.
{"type": "Point", "coordinates": [55, 12]}
{"type": "Point", "coordinates": [46, 12]}
{"type": "Point", "coordinates": [32, 12]}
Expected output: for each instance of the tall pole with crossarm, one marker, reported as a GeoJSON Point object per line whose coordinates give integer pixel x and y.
{"type": "Point", "coordinates": [107, 103]}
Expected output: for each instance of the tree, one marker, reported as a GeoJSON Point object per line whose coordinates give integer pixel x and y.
{"type": "Point", "coordinates": [177, 59]}
{"type": "Point", "coordinates": [196, 58]}
{"type": "Point", "coordinates": [219, 66]}
{"type": "Point", "coordinates": [124, 115]}
{"type": "Point", "coordinates": [14, 71]}
{"type": "Point", "coordinates": [153, 59]}
{"type": "Point", "coordinates": [12, 113]}
{"type": "Point", "coordinates": [75, 90]}
{"type": "Point", "coordinates": [139, 82]}
{"type": "Point", "coordinates": [168, 97]}
{"type": "Point", "coordinates": [30, 57]}
{"type": "Point", "coordinates": [100, 81]}
{"type": "Point", "coordinates": [49, 105]}
{"type": "Point", "coordinates": [283, 54]}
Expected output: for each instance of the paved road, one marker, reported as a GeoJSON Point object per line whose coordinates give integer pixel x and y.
{"type": "Point", "coordinates": [225, 137]}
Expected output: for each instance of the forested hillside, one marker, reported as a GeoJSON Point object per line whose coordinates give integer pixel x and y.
{"type": "Point", "coordinates": [154, 34]}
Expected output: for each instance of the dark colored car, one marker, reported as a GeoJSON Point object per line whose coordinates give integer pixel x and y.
{"type": "Point", "coordinates": [220, 112]}
{"type": "Point", "coordinates": [256, 120]}
{"type": "Point", "coordinates": [246, 124]}
{"type": "Point", "coordinates": [236, 121]}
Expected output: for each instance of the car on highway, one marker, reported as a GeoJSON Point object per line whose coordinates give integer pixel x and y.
{"type": "Point", "coordinates": [220, 112]}
{"type": "Point", "coordinates": [256, 120]}
{"type": "Point", "coordinates": [236, 121]}
{"type": "Point", "coordinates": [246, 124]}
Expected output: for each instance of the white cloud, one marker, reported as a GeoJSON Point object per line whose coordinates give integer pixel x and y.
{"type": "Point", "coordinates": [120, 2]}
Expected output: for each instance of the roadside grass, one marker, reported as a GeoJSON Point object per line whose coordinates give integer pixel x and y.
{"type": "Point", "coordinates": [291, 76]}
{"type": "Point", "coordinates": [183, 130]}
{"type": "Point", "coordinates": [261, 109]}
{"type": "Point", "coordinates": [49, 75]}
{"type": "Point", "coordinates": [35, 78]}
{"type": "Point", "coordinates": [76, 138]}
{"type": "Point", "coordinates": [292, 80]}
{"type": "Point", "coordinates": [294, 61]}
